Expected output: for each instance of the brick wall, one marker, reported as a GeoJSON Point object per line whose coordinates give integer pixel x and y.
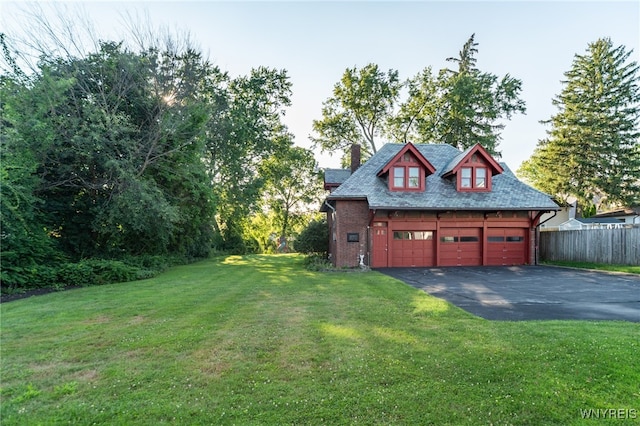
{"type": "Point", "coordinates": [352, 217]}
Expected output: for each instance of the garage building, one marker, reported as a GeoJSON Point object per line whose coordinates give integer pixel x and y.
{"type": "Point", "coordinates": [431, 205]}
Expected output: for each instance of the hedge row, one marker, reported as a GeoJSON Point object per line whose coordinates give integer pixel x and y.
{"type": "Point", "coordinates": [86, 272]}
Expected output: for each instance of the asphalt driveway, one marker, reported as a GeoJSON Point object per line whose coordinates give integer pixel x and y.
{"type": "Point", "coordinates": [530, 292]}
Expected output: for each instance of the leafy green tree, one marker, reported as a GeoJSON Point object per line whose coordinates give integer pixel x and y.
{"type": "Point", "coordinates": [592, 150]}
{"type": "Point", "coordinates": [24, 242]}
{"type": "Point", "coordinates": [291, 185]}
{"type": "Point", "coordinates": [362, 102]}
{"type": "Point", "coordinates": [417, 117]}
{"type": "Point", "coordinates": [245, 128]}
{"type": "Point", "coordinates": [460, 107]}
{"type": "Point", "coordinates": [261, 232]}
{"type": "Point", "coordinates": [118, 139]}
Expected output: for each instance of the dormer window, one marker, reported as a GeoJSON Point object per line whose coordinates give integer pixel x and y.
{"type": "Point", "coordinates": [407, 170]}
{"type": "Point", "coordinates": [481, 177]}
{"type": "Point", "coordinates": [473, 170]}
{"type": "Point", "coordinates": [465, 177]}
{"type": "Point", "coordinates": [398, 177]}
{"type": "Point", "coordinates": [473, 178]}
{"type": "Point", "coordinates": [406, 177]}
{"type": "Point", "coordinates": [414, 177]}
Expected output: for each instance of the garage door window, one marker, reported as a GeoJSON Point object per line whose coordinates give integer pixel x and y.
{"type": "Point", "coordinates": [515, 239]}
{"type": "Point", "coordinates": [469, 239]}
{"type": "Point", "coordinates": [423, 235]}
{"type": "Point", "coordinates": [463, 239]}
{"type": "Point", "coordinates": [413, 235]}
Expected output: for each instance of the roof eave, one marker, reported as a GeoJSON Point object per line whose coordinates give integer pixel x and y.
{"type": "Point", "coordinates": [440, 209]}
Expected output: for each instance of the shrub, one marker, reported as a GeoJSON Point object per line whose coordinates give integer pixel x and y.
{"type": "Point", "coordinates": [111, 271]}
{"type": "Point", "coordinates": [314, 239]}
{"type": "Point", "coordinates": [317, 263]}
{"type": "Point", "coordinates": [74, 274]}
{"type": "Point", "coordinates": [86, 272]}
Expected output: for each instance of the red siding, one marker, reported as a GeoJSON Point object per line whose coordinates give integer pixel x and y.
{"type": "Point", "coordinates": [430, 239]}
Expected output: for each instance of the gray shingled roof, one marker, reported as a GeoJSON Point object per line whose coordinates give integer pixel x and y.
{"type": "Point", "coordinates": [336, 175]}
{"type": "Point", "coordinates": [455, 160]}
{"type": "Point", "coordinates": [507, 192]}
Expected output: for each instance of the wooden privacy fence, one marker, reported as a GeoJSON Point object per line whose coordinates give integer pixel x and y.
{"type": "Point", "coordinates": [611, 246]}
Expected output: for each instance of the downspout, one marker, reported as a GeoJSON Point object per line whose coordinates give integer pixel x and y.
{"type": "Point", "coordinates": [537, 248]}
{"type": "Point", "coordinates": [333, 221]}
{"type": "Point", "coordinates": [326, 203]}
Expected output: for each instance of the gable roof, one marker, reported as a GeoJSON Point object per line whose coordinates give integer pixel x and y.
{"type": "Point", "coordinates": [508, 193]}
{"type": "Point", "coordinates": [409, 148]}
{"type": "Point", "coordinates": [457, 162]}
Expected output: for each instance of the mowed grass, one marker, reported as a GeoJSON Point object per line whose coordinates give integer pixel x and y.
{"type": "Point", "coordinates": [629, 269]}
{"type": "Point", "coordinates": [260, 340]}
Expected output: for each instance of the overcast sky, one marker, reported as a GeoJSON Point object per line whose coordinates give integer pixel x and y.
{"type": "Point", "coordinates": [316, 41]}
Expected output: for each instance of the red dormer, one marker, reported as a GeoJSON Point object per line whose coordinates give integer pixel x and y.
{"type": "Point", "coordinates": [407, 170]}
{"type": "Point", "coordinates": [473, 169]}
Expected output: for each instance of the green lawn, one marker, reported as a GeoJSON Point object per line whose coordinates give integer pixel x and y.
{"type": "Point", "coordinates": [601, 266]}
{"type": "Point", "coordinates": [260, 340]}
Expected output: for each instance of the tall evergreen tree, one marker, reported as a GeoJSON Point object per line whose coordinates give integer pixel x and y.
{"type": "Point", "coordinates": [592, 151]}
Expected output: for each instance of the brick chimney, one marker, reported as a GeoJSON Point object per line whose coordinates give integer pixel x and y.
{"type": "Point", "coordinates": [355, 157]}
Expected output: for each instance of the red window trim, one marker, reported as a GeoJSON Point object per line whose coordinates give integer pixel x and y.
{"type": "Point", "coordinates": [474, 188]}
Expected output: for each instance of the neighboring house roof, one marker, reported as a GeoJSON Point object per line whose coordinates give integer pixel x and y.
{"type": "Point", "coordinates": [632, 211]}
{"type": "Point", "coordinates": [598, 220]}
{"type": "Point", "coordinates": [590, 223]}
{"type": "Point", "coordinates": [571, 224]}
{"type": "Point", "coordinates": [508, 193]}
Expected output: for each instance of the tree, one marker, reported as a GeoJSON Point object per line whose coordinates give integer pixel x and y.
{"type": "Point", "coordinates": [291, 185]}
{"type": "Point", "coordinates": [361, 104]}
{"type": "Point", "coordinates": [592, 150]}
{"type": "Point", "coordinates": [417, 118]}
{"type": "Point", "coordinates": [117, 139]}
{"type": "Point", "coordinates": [23, 240]}
{"type": "Point", "coordinates": [245, 128]}
{"type": "Point", "coordinates": [460, 107]}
